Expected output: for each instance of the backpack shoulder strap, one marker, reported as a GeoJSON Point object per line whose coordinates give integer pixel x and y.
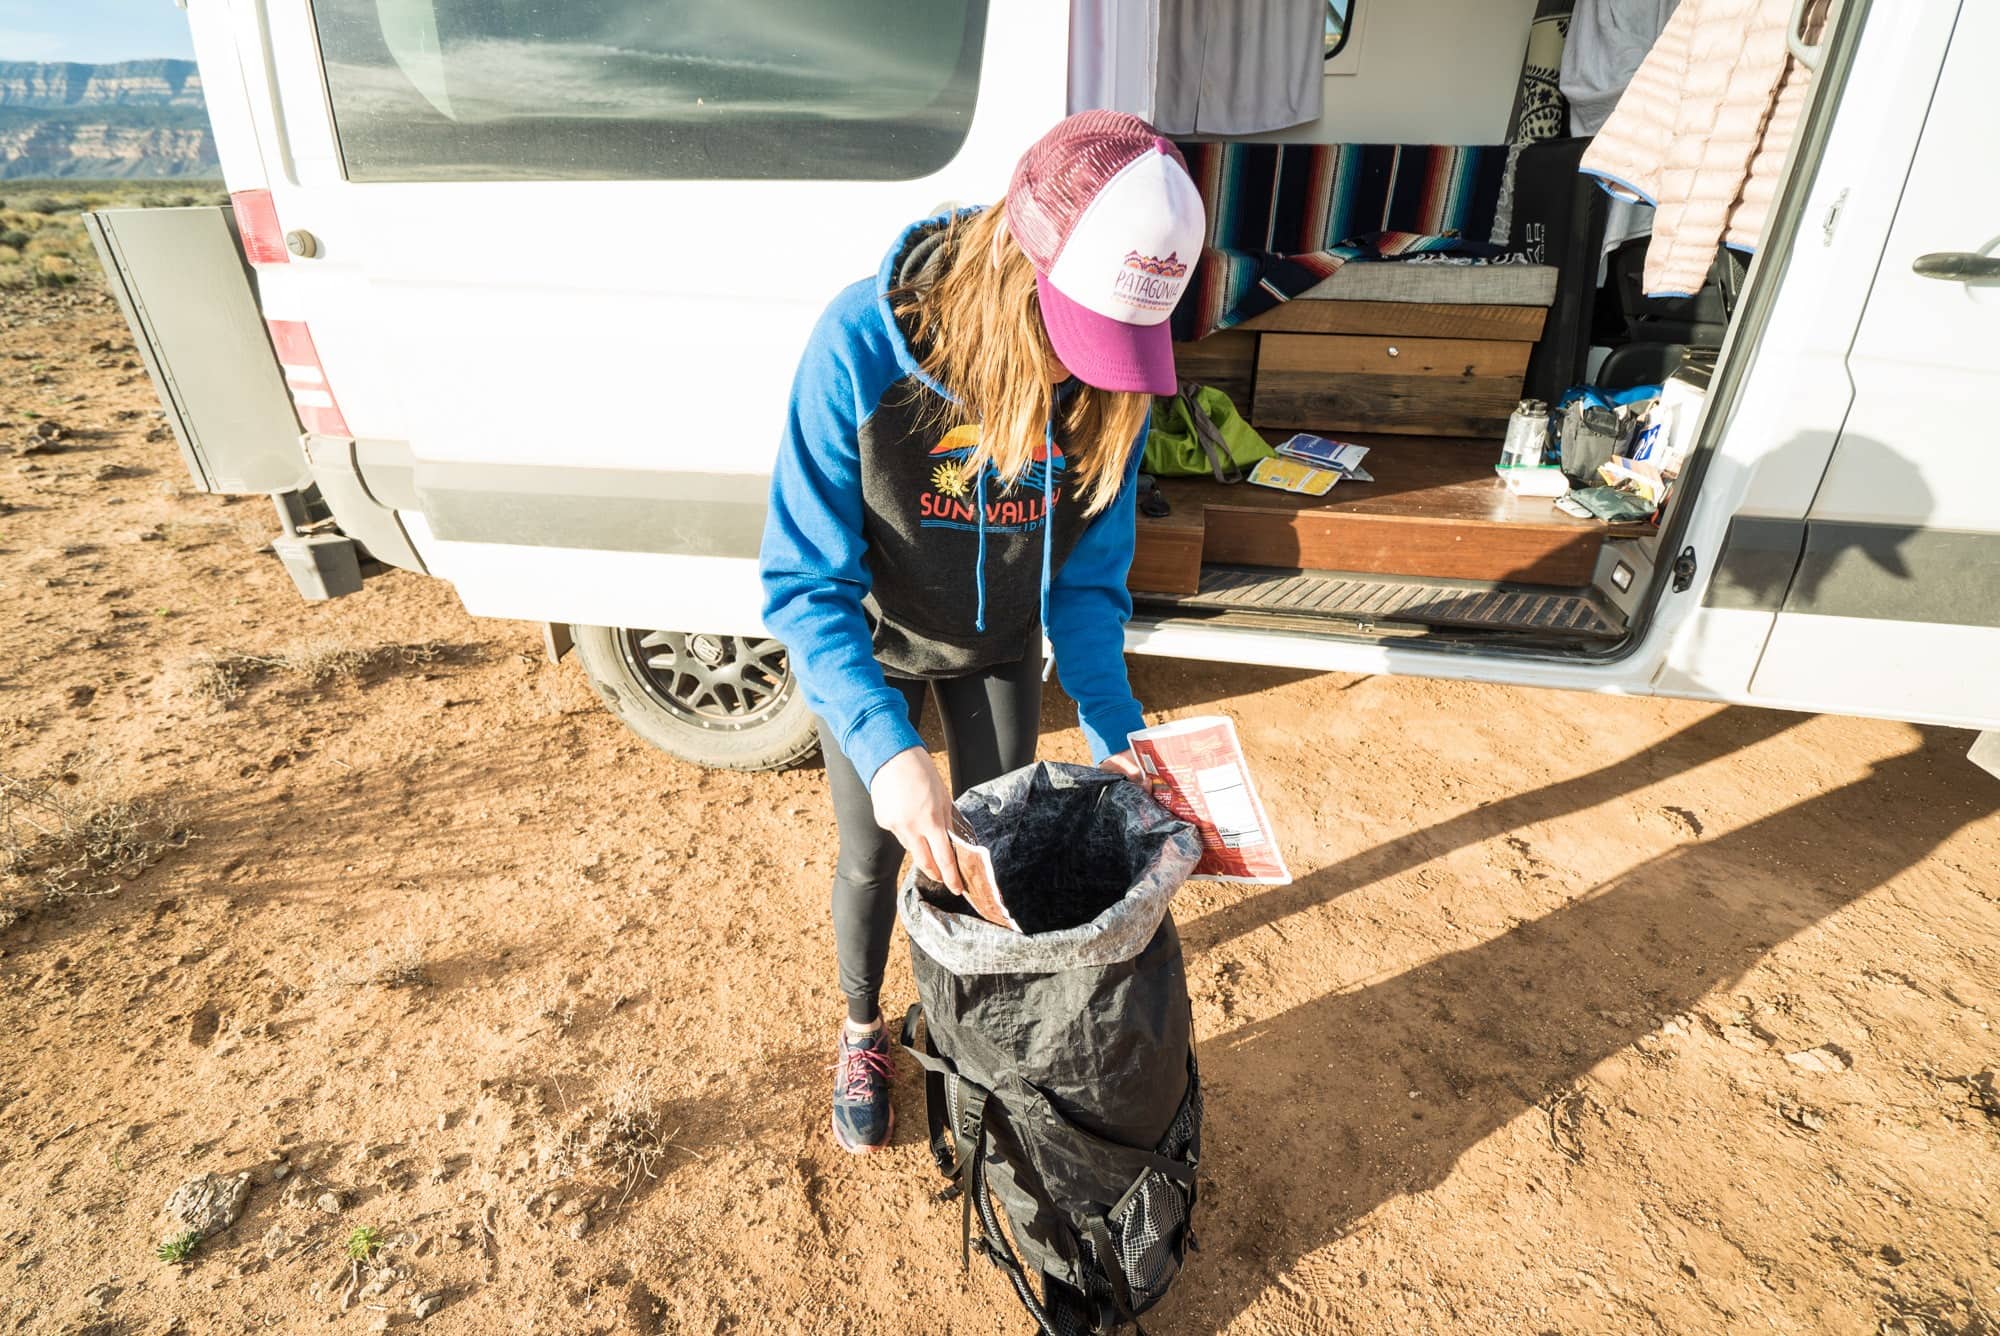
{"type": "Point", "coordinates": [936, 1106]}
{"type": "Point", "coordinates": [1220, 462]}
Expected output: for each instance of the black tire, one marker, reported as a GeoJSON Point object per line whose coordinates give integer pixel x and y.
{"type": "Point", "coordinates": [728, 702]}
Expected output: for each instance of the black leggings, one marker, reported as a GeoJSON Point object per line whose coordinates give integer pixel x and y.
{"type": "Point", "coordinates": [990, 723]}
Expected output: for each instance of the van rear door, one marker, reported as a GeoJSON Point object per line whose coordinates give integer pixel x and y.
{"type": "Point", "coordinates": [1893, 603]}
{"type": "Point", "coordinates": [563, 257]}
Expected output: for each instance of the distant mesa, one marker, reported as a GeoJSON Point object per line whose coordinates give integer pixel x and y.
{"type": "Point", "coordinates": [141, 119]}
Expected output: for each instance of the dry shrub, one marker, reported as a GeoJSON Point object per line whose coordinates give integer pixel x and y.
{"type": "Point", "coordinates": [620, 1137]}
{"type": "Point", "coordinates": [76, 831]}
{"type": "Point", "coordinates": [185, 535]}
{"type": "Point", "coordinates": [221, 679]}
{"type": "Point", "coordinates": [399, 964]}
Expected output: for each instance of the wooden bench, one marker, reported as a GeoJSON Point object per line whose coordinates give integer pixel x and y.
{"type": "Point", "coordinates": [1435, 510]}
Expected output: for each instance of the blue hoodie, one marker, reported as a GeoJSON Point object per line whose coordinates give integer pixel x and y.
{"type": "Point", "coordinates": [879, 552]}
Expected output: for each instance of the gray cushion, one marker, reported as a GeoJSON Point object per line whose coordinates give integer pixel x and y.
{"type": "Point", "coordinates": [1449, 284]}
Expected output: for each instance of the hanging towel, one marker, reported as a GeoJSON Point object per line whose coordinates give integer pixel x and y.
{"type": "Point", "coordinates": [1607, 41]}
{"type": "Point", "coordinates": [1239, 68]}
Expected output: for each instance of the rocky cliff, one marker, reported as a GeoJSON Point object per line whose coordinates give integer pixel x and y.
{"type": "Point", "coordinates": [134, 118]}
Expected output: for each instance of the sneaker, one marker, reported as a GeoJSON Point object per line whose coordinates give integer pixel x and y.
{"type": "Point", "coordinates": [862, 1118]}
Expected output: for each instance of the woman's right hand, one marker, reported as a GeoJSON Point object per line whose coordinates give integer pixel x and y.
{"type": "Point", "coordinates": [912, 803]}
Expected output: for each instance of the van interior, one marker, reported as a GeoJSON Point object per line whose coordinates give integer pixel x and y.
{"type": "Point", "coordinates": [1421, 357]}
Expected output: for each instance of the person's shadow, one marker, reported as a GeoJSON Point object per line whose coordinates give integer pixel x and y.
{"type": "Point", "coordinates": [1310, 1123]}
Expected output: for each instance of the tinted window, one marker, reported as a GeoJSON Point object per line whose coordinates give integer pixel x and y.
{"type": "Point", "coordinates": [455, 90]}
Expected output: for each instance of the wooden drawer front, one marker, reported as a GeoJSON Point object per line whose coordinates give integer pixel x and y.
{"type": "Point", "coordinates": [1425, 387]}
{"type": "Point", "coordinates": [1166, 554]}
{"type": "Point", "coordinates": [1225, 359]}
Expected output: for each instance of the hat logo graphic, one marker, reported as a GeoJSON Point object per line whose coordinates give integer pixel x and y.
{"type": "Point", "coordinates": [1171, 267]}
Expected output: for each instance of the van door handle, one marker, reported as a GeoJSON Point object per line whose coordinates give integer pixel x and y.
{"type": "Point", "coordinates": [1959, 267]}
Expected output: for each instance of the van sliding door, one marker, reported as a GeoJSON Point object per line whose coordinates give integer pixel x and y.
{"type": "Point", "coordinates": [1894, 604]}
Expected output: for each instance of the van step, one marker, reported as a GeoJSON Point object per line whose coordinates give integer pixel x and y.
{"type": "Point", "coordinates": [1342, 596]}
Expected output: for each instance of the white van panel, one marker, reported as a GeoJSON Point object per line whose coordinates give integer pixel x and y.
{"type": "Point", "coordinates": [643, 325]}
{"type": "Point", "coordinates": [591, 588]}
{"type": "Point", "coordinates": [1922, 672]}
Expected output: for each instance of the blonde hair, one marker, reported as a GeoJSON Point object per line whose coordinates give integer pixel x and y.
{"type": "Point", "coordinates": [979, 329]}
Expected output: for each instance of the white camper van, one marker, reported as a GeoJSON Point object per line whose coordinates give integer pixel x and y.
{"type": "Point", "coordinates": [511, 295]}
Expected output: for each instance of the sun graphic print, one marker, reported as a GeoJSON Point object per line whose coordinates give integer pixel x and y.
{"type": "Point", "coordinates": [949, 479]}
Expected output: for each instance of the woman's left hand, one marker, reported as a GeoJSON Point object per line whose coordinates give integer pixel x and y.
{"type": "Point", "coordinates": [1126, 766]}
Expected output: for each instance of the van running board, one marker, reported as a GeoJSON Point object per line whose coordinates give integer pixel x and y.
{"type": "Point", "coordinates": [1372, 599]}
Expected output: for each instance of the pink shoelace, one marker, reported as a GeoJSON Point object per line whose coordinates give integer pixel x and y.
{"type": "Point", "coordinates": [858, 1068]}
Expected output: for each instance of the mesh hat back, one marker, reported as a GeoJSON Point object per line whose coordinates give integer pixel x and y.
{"type": "Point", "coordinates": [1059, 176]}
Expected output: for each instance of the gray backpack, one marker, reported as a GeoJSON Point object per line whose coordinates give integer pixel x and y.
{"type": "Point", "coordinates": [1060, 1076]}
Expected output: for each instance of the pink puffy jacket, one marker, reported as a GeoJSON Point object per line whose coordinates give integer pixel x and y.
{"type": "Point", "coordinates": [1702, 131]}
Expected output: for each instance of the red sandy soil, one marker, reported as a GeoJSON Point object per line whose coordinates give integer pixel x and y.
{"type": "Point", "coordinates": [1511, 1056]}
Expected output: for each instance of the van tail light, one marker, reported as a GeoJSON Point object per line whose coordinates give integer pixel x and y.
{"type": "Point", "coordinates": [305, 378]}
{"type": "Point", "coordinates": [257, 224]}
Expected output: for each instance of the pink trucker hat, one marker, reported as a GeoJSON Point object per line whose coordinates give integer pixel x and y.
{"type": "Point", "coordinates": [1105, 209]}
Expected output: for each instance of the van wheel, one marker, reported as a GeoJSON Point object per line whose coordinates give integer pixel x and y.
{"type": "Point", "coordinates": [729, 702]}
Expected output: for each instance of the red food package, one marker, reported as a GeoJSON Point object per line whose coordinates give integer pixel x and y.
{"type": "Point", "coordinates": [1195, 769]}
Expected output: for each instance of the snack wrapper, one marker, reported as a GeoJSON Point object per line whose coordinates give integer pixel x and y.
{"type": "Point", "coordinates": [1195, 769]}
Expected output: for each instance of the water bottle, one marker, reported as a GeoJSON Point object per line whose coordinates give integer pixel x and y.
{"type": "Point", "coordinates": [1527, 435]}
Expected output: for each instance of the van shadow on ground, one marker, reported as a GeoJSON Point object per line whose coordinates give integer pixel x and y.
{"type": "Point", "coordinates": [1708, 739]}
{"type": "Point", "coordinates": [1329, 1081]}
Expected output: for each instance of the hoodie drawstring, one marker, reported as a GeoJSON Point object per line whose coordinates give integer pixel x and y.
{"type": "Point", "coordinates": [1048, 532]}
{"type": "Point", "coordinates": [979, 567]}
{"type": "Point", "coordinates": [1048, 515]}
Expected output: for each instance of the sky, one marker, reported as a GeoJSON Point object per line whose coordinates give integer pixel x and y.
{"type": "Point", "coordinates": [92, 30]}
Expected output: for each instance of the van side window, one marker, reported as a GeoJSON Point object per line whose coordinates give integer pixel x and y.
{"type": "Point", "coordinates": [492, 90]}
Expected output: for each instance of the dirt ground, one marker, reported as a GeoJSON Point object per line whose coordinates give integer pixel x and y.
{"type": "Point", "coordinates": [1584, 1015]}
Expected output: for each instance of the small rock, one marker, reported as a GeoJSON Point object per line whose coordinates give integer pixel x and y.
{"type": "Point", "coordinates": [380, 1322]}
{"type": "Point", "coordinates": [423, 1305]}
{"type": "Point", "coordinates": [328, 1202]}
{"type": "Point", "coordinates": [1803, 1115]}
{"type": "Point", "coordinates": [45, 437]}
{"type": "Point", "coordinates": [1677, 1026]}
{"type": "Point", "coordinates": [276, 1240]}
{"type": "Point", "coordinates": [149, 536]}
{"type": "Point", "coordinates": [1743, 1037]}
{"type": "Point", "coordinates": [209, 1203]}
{"type": "Point", "coordinates": [101, 1294]}
{"type": "Point", "coordinates": [1827, 1060]}
{"type": "Point", "coordinates": [579, 1227]}
{"type": "Point", "coordinates": [81, 695]}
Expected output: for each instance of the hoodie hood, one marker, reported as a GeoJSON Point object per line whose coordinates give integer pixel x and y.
{"type": "Point", "coordinates": [916, 260]}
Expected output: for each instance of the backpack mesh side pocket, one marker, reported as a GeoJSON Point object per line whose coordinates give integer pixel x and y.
{"type": "Point", "coordinates": [1148, 1226]}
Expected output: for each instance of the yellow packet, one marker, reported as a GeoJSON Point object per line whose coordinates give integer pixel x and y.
{"type": "Point", "coordinates": [1289, 475]}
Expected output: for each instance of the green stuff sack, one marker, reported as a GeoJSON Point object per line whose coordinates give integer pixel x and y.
{"type": "Point", "coordinates": [1198, 431]}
